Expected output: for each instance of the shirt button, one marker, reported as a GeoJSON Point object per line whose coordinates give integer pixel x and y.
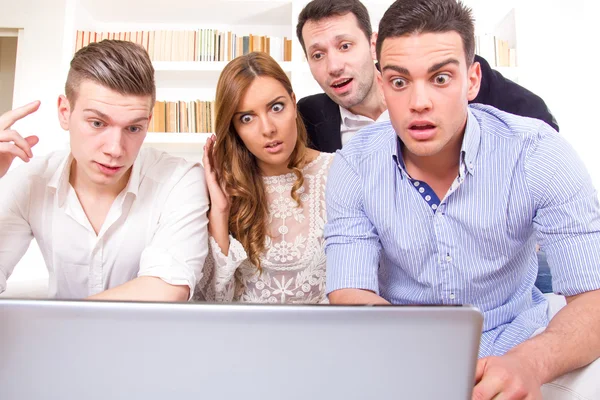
{"type": "Point", "coordinates": [452, 296]}
{"type": "Point", "coordinates": [448, 258]}
{"type": "Point", "coordinates": [416, 183]}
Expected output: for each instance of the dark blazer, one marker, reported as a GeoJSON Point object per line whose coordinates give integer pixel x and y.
{"type": "Point", "coordinates": [322, 117]}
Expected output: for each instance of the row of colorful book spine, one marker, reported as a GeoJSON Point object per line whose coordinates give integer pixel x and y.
{"type": "Point", "coordinates": [195, 116]}
{"type": "Point", "coordinates": [195, 45]}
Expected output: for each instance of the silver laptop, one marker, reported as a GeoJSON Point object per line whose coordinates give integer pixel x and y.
{"type": "Point", "coordinates": [87, 350]}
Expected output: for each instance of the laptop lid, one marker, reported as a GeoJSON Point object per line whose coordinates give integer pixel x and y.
{"type": "Point", "coordinates": [111, 350]}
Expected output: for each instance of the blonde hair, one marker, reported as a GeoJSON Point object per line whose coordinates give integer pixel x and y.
{"type": "Point", "coordinates": [237, 166]}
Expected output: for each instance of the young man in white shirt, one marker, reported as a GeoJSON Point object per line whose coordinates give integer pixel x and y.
{"type": "Point", "coordinates": [113, 222]}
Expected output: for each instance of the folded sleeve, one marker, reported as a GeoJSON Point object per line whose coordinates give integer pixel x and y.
{"type": "Point", "coordinates": [178, 247]}
{"type": "Point", "coordinates": [352, 245]}
{"type": "Point", "coordinates": [567, 217]}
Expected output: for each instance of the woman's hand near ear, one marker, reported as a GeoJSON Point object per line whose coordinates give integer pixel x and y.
{"type": "Point", "coordinates": [218, 214]}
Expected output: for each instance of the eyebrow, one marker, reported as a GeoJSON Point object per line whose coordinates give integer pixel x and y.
{"type": "Point", "coordinates": [442, 64]}
{"type": "Point", "coordinates": [104, 116]}
{"type": "Point", "coordinates": [400, 70]}
{"type": "Point", "coordinates": [337, 38]}
{"type": "Point", "coordinates": [269, 104]}
{"type": "Point", "coordinates": [433, 68]}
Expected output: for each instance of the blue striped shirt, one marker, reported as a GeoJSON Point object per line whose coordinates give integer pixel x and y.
{"type": "Point", "coordinates": [519, 183]}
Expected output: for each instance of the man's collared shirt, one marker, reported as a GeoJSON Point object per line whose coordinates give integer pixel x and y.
{"type": "Point", "coordinates": [352, 123]}
{"type": "Point", "coordinates": [157, 226]}
{"type": "Point", "coordinates": [519, 183]}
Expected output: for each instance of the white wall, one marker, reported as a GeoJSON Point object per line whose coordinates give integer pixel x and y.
{"type": "Point", "coordinates": [39, 72]}
{"type": "Point", "coordinates": [584, 90]}
{"type": "Point", "coordinates": [556, 54]}
{"type": "Point", "coordinates": [39, 76]}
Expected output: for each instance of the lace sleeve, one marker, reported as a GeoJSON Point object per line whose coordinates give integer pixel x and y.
{"type": "Point", "coordinates": [218, 283]}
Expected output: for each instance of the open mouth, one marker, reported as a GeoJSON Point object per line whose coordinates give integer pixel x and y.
{"type": "Point", "coordinates": [422, 127]}
{"type": "Point", "coordinates": [341, 84]}
{"type": "Point", "coordinates": [272, 145]}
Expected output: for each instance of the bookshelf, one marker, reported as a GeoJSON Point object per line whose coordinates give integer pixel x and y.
{"type": "Point", "coordinates": [196, 80]}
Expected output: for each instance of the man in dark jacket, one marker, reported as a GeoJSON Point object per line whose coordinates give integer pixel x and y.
{"type": "Point", "coordinates": [339, 45]}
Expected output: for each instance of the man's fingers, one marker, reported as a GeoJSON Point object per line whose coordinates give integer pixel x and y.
{"type": "Point", "coordinates": [15, 151]}
{"type": "Point", "coordinates": [32, 140]}
{"type": "Point", "coordinates": [488, 388]}
{"type": "Point", "coordinates": [10, 117]}
{"type": "Point", "coordinates": [14, 137]}
{"type": "Point", "coordinates": [479, 369]}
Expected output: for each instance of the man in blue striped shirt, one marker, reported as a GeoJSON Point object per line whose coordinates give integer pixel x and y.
{"type": "Point", "coordinates": [445, 203]}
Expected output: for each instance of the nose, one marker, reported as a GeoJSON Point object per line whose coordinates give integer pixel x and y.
{"type": "Point", "coordinates": [420, 101]}
{"type": "Point", "coordinates": [267, 126]}
{"type": "Point", "coordinates": [113, 144]}
{"type": "Point", "coordinates": [335, 64]}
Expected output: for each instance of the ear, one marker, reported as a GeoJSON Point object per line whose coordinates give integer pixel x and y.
{"type": "Point", "coordinates": [474, 77]}
{"type": "Point", "coordinates": [293, 96]}
{"type": "Point", "coordinates": [64, 112]}
{"type": "Point", "coordinates": [374, 46]}
{"type": "Point", "coordinates": [380, 82]}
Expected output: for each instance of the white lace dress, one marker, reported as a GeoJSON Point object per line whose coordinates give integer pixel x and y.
{"type": "Point", "coordinates": [293, 264]}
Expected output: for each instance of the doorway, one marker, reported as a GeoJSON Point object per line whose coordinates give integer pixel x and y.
{"type": "Point", "coordinates": [8, 61]}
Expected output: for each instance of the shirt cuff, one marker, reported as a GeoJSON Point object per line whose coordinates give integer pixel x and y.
{"type": "Point", "coordinates": [352, 267]}
{"type": "Point", "coordinates": [573, 264]}
{"type": "Point", "coordinates": [159, 263]}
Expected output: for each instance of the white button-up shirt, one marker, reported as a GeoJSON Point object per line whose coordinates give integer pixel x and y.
{"type": "Point", "coordinates": [157, 226]}
{"type": "Point", "coordinates": [352, 123]}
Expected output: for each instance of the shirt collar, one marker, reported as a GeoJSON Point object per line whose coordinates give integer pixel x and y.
{"type": "Point", "coordinates": [60, 179]}
{"type": "Point", "coordinates": [397, 156]}
{"type": "Point", "coordinates": [470, 144]}
{"type": "Point", "coordinates": [347, 115]}
{"type": "Point", "coordinates": [133, 185]}
{"type": "Point", "coordinates": [468, 151]}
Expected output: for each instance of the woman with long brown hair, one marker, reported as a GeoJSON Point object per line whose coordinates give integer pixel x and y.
{"type": "Point", "coordinates": [267, 191]}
